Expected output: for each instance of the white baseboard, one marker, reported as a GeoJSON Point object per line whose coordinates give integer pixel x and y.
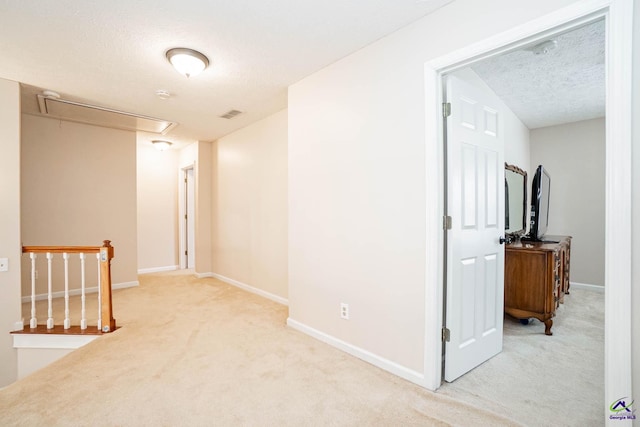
{"type": "Point", "coordinates": [124, 285]}
{"type": "Point", "coordinates": [73, 292]}
{"type": "Point", "coordinates": [157, 269]}
{"type": "Point", "coordinates": [203, 275]}
{"type": "Point", "coordinates": [597, 288]}
{"type": "Point", "coordinates": [367, 356]}
{"type": "Point", "coordinates": [246, 287]}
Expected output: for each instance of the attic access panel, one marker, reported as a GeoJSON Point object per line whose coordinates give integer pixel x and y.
{"type": "Point", "coordinates": [100, 116]}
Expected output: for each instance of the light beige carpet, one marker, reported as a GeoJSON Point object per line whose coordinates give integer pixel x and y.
{"type": "Point", "coordinates": [542, 380]}
{"type": "Point", "coordinates": [198, 352]}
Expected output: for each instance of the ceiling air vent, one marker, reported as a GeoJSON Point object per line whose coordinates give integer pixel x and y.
{"type": "Point", "coordinates": [231, 114]}
{"type": "Point", "coordinates": [55, 107]}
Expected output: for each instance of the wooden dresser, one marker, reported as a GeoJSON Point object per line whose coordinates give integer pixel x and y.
{"type": "Point", "coordinates": [536, 278]}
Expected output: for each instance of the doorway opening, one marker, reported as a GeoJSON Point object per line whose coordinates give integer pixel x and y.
{"type": "Point", "coordinates": [530, 138]}
{"type": "Point", "coordinates": [187, 218]}
{"type": "Point", "coordinates": [618, 16]}
{"type": "Point", "coordinates": [550, 108]}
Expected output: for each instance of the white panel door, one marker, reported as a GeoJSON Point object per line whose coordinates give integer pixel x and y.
{"type": "Point", "coordinates": [475, 203]}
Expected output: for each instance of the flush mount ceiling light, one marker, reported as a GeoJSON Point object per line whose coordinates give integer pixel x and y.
{"type": "Point", "coordinates": [187, 61]}
{"type": "Point", "coordinates": [544, 47]}
{"type": "Point", "coordinates": [161, 145]}
{"type": "Point", "coordinates": [163, 94]}
{"type": "Point", "coordinates": [50, 94]}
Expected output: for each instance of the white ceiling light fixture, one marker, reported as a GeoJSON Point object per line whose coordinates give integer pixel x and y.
{"type": "Point", "coordinates": [50, 94]}
{"type": "Point", "coordinates": [161, 145]}
{"type": "Point", "coordinates": [544, 47]}
{"type": "Point", "coordinates": [163, 94]}
{"type": "Point", "coordinates": [187, 61]}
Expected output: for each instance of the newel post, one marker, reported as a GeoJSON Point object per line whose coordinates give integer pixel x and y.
{"type": "Point", "coordinates": [106, 254]}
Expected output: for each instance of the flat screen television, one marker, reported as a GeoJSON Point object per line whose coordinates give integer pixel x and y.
{"type": "Point", "coordinates": [539, 217]}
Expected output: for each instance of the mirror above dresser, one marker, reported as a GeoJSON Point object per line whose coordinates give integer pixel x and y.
{"type": "Point", "coordinates": [515, 200]}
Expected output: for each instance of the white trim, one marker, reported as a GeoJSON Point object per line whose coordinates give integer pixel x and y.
{"type": "Point", "coordinates": [51, 340]}
{"type": "Point", "coordinates": [618, 175]}
{"type": "Point", "coordinates": [124, 285]}
{"type": "Point", "coordinates": [434, 264]}
{"type": "Point", "coordinates": [157, 269]}
{"type": "Point", "coordinates": [246, 287]}
{"type": "Point", "coordinates": [587, 286]}
{"type": "Point", "coordinates": [537, 29]}
{"type": "Point", "coordinates": [618, 200]}
{"type": "Point", "coordinates": [380, 362]}
{"type": "Point", "coordinates": [203, 275]}
{"type": "Point", "coordinates": [72, 292]}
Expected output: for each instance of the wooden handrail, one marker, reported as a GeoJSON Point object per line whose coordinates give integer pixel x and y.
{"type": "Point", "coordinates": [62, 249]}
{"type": "Point", "coordinates": [106, 255]}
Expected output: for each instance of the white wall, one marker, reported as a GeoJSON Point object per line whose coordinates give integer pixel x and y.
{"type": "Point", "coordinates": [33, 359]}
{"type": "Point", "coordinates": [203, 205]}
{"type": "Point", "coordinates": [249, 232]}
{"type": "Point", "coordinates": [157, 192]}
{"type": "Point", "coordinates": [574, 156]}
{"type": "Point", "coordinates": [517, 152]}
{"type": "Point", "coordinates": [517, 148]}
{"type": "Point", "coordinates": [188, 155]}
{"type": "Point", "coordinates": [357, 193]}
{"type": "Point", "coordinates": [79, 188]}
{"type": "Point", "coordinates": [10, 244]}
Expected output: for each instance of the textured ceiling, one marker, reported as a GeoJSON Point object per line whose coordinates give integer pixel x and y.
{"type": "Point", "coordinates": [112, 53]}
{"type": "Point", "coordinates": [565, 85]}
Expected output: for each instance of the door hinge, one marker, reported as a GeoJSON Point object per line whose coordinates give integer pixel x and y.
{"type": "Point", "coordinates": [186, 253]}
{"type": "Point", "coordinates": [185, 216]}
{"type": "Point", "coordinates": [446, 334]}
{"type": "Point", "coordinates": [446, 222]}
{"type": "Point", "coordinates": [446, 109]}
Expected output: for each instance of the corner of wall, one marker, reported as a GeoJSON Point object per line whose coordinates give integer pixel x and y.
{"type": "Point", "coordinates": [10, 237]}
{"type": "Point", "coordinates": [203, 207]}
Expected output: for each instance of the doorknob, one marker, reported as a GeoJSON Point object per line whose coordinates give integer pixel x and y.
{"type": "Point", "coordinates": [504, 240]}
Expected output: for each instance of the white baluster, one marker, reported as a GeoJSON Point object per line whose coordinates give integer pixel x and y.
{"type": "Point", "coordinates": [67, 319]}
{"type": "Point", "coordinates": [33, 323]}
{"type": "Point", "coordinates": [99, 294]}
{"type": "Point", "coordinates": [83, 318]}
{"type": "Point", "coordinates": [49, 292]}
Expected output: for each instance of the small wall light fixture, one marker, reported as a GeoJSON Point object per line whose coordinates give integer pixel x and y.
{"type": "Point", "coordinates": [161, 145]}
{"type": "Point", "coordinates": [187, 61]}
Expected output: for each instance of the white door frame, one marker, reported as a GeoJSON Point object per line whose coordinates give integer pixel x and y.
{"type": "Point", "coordinates": [182, 203]}
{"type": "Point", "coordinates": [618, 15]}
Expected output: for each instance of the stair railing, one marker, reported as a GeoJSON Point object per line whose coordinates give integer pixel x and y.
{"type": "Point", "coordinates": [104, 255]}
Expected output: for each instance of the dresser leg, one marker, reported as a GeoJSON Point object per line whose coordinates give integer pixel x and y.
{"type": "Point", "coordinates": [547, 327]}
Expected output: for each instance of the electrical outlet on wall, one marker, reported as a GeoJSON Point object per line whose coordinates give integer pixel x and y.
{"type": "Point", "coordinates": [4, 264]}
{"type": "Point", "coordinates": [344, 311]}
